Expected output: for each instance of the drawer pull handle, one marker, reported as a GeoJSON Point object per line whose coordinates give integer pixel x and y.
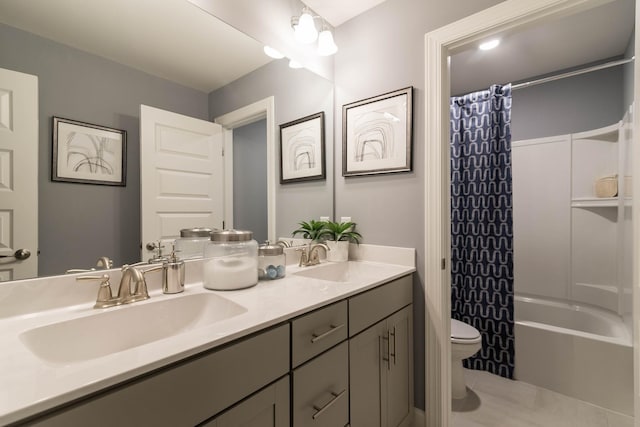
{"type": "Point", "coordinates": [329, 403]}
{"type": "Point", "coordinates": [326, 334]}
{"type": "Point", "coordinates": [393, 334]}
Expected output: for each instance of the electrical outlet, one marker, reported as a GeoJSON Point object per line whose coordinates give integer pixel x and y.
{"type": "Point", "coordinates": [345, 219]}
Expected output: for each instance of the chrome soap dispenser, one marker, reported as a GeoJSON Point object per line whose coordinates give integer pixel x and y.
{"type": "Point", "coordinates": [173, 274]}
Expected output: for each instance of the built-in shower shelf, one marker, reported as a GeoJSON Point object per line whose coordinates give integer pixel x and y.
{"type": "Point", "coordinates": [594, 202]}
{"type": "Point", "coordinates": [598, 202]}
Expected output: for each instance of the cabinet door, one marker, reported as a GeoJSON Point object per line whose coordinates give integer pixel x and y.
{"type": "Point", "coordinates": [267, 408]}
{"type": "Point", "coordinates": [367, 379]}
{"type": "Point", "coordinates": [399, 399]}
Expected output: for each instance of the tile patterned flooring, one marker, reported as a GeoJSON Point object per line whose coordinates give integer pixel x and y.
{"type": "Point", "coordinates": [498, 402]}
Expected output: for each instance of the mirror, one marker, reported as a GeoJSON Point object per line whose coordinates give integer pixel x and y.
{"type": "Point", "coordinates": [78, 223]}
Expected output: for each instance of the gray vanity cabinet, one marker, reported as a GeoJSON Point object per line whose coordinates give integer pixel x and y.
{"type": "Point", "coordinates": [348, 363]}
{"type": "Point", "coordinates": [320, 362]}
{"type": "Point", "coordinates": [381, 356]}
{"type": "Point", "coordinates": [187, 393]}
{"type": "Point", "coordinates": [267, 408]}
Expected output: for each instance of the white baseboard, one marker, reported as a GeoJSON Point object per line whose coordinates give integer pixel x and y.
{"type": "Point", "coordinates": [419, 419]}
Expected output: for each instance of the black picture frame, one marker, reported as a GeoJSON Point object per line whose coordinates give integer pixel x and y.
{"type": "Point", "coordinates": [86, 153]}
{"type": "Point", "coordinates": [377, 134]}
{"type": "Point", "coordinates": [302, 149]}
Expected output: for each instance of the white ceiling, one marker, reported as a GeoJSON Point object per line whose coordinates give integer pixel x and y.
{"type": "Point", "coordinates": [172, 39]}
{"type": "Point", "coordinates": [180, 42]}
{"type": "Point", "coordinates": [590, 36]}
{"type": "Point", "coordinates": [336, 12]}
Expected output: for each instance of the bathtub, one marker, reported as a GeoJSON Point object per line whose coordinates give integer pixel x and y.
{"type": "Point", "coordinates": [579, 351]}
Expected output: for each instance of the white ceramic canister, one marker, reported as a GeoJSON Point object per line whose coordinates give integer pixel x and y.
{"type": "Point", "coordinates": [271, 262]}
{"type": "Point", "coordinates": [192, 242]}
{"type": "Point", "coordinates": [230, 260]}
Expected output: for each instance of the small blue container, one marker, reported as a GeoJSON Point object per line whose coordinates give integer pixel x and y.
{"type": "Point", "coordinates": [271, 262]}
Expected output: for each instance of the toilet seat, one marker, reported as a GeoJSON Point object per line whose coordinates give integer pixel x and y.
{"type": "Point", "coordinates": [462, 333]}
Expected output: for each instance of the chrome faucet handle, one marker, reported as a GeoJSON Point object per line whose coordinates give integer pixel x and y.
{"type": "Point", "coordinates": [104, 262]}
{"type": "Point", "coordinates": [304, 256]}
{"type": "Point", "coordinates": [314, 257]}
{"type": "Point", "coordinates": [105, 295]}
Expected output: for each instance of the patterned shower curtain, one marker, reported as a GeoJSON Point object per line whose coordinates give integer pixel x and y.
{"type": "Point", "coordinates": [482, 225]}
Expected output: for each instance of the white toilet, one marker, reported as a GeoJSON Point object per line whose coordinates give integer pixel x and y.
{"type": "Point", "coordinates": [465, 342]}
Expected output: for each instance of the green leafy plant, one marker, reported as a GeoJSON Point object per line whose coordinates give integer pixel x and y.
{"type": "Point", "coordinates": [310, 230]}
{"type": "Point", "coordinates": [341, 231]}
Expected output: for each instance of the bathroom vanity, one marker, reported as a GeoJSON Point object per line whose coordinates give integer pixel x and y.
{"type": "Point", "coordinates": [329, 345]}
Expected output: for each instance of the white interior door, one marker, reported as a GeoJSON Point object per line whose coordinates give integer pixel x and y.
{"type": "Point", "coordinates": [18, 174]}
{"type": "Point", "coordinates": [181, 175]}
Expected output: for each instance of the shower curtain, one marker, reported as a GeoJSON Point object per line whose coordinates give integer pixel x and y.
{"type": "Point", "coordinates": [481, 224]}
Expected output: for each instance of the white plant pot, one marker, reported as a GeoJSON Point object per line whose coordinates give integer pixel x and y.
{"type": "Point", "coordinates": [338, 251]}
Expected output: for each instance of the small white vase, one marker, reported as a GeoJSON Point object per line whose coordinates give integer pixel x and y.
{"type": "Point", "coordinates": [338, 251]}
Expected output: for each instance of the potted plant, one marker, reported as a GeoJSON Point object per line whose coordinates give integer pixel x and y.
{"type": "Point", "coordinates": [338, 235]}
{"type": "Point", "coordinates": [312, 230]}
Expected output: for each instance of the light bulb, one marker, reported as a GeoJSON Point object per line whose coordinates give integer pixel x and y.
{"type": "Point", "coordinates": [272, 53]}
{"type": "Point", "coordinates": [491, 44]}
{"type": "Point", "coordinates": [294, 64]}
{"type": "Point", "coordinates": [326, 45]}
{"type": "Point", "coordinates": [305, 32]}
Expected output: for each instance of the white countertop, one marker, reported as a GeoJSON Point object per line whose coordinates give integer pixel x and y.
{"type": "Point", "coordinates": [30, 385]}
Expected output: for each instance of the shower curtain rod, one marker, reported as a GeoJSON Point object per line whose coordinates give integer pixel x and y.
{"type": "Point", "coordinates": [573, 73]}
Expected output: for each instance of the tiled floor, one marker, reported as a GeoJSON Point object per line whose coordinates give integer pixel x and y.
{"type": "Point", "coordinates": [495, 401]}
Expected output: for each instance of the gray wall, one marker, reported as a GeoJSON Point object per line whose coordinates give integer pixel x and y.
{"type": "Point", "coordinates": [297, 93]}
{"type": "Point", "coordinates": [80, 222]}
{"type": "Point", "coordinates": [250, 179]}
{"type": "Point", "coordinates": [569, 105]}
{"type": "Point", "coordinates": [380, 51]}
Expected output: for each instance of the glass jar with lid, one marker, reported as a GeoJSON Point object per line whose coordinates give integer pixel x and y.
{"type": "Point", "coordinates": [230, 260]}
{"type": "Point", "coordinates": [271, 261]}
{"type": "Point", "coordinates": [192, 241]}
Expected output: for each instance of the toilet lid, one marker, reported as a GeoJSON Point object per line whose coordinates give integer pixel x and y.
{"type": "Point", "coordinates": [462, 331]}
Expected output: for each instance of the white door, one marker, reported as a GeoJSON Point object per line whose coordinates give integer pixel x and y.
{"type": "Point", "coordinates": [181, 175]}
{"type": "Point", "coordinates": [18, 175]}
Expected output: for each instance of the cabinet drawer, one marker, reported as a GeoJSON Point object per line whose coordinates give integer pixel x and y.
{"type": "Point", "coordinates": [318, 331]}
{"type": "Point", "coordinates": [374, 305]}
{"type": "Point", "coordinates": [188, 393]}
{"type": "Point", "coordinates": [321, 390]}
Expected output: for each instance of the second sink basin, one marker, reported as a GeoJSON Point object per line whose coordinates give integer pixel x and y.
{"type": "Point", "coordinates": [341, 271]}
{"type": "Point", "coordinates": [125, 327]}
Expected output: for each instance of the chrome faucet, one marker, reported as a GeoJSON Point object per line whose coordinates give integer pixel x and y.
{"type": "Point", "coordinates": [311, 257]}
{"type": "Point", "coordinates": [133, 287]}
{"type": "Point", "coordinates": [103, 263]}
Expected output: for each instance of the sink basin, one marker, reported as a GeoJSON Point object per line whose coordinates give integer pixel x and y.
{"type": "Point", "coordinates": [125, 327]}
{"type": "Point", "coordinates": [341, 271]}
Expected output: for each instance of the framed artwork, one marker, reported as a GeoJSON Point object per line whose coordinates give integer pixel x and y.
{"type": "Point", "coordinates": [88, 154]}
{"type": "Point", "coordinates": [302, 149]}
{"type": "Point", "coordinates": [377, 134]}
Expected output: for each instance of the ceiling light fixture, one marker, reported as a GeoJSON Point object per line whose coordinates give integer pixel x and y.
{"type": "Point", "coordinates": [305, 29]}
{"type": "Point", "coordinates": [306, 32]}
{"type": "Point", "coordinates": [272, 53]}
{"type": "Point", "coordinates": [491, 44]}
{"type": "Point", "coordinates": [294, 64]}
{"type": "Point", "coordinates": [326, 45]}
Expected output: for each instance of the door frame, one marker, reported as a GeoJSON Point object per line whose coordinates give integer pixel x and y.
{"type": "Point", "coordinates": [263, 109]}
{"type": "Point", "coordinates": [439, 45]}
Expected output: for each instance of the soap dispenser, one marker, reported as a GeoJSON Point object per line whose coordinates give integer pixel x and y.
{"type": "Point", "coordinates": [173, 274]}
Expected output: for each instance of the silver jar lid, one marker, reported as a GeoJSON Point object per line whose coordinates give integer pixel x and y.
{"type": "Point", "coordinates": [268, 249]}
{"type": "Point", "coordinates": [231, 236]}
{"type": "Point", "coordinates": [195, 232]}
